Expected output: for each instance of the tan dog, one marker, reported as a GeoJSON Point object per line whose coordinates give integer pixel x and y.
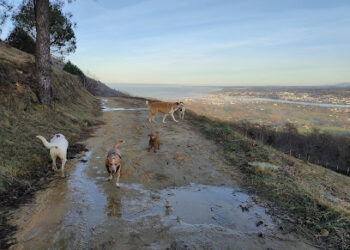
{"type": "Point", "coordinates": [114, 162]}
{"type": "Point", "coordinates": [167, 108]}
{"type": "Point", "coordinates": [154, 141]}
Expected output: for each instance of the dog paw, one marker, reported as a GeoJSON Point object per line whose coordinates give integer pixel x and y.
{"type": "Point", "coordinates": [117, 185]}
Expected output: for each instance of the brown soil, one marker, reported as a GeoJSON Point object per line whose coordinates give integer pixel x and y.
{"type": "Point", "coordinates": [185, 196]}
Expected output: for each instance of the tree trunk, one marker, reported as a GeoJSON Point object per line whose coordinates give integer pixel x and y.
{"type": "Point", "coordinates": [42, 51]}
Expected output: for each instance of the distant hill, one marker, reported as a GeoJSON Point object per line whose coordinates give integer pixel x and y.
{"type": "Point", "coordinates": [98, 88]}
{"type": "Point", "coordinates": [343, 85]}
{"type": "Point", "coordinates": [95, 87]}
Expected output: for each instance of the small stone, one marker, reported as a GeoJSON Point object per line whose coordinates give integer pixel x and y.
{"type": "Point", "coordinates": [112, 242]}
{"type": "Point", "coordinates": [167, 204]}
{"type": "Point", "coordinates": [324, 232]}
{"type": "Point", "coordinates": [259, 223]}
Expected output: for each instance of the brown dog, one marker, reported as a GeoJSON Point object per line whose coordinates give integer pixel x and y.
{"type": "Point", "coordinates": [167, 108]}
{"type": "Point", "coordinates": [154, 141]}
{"type": "Point", "coordinates": [114, 162]}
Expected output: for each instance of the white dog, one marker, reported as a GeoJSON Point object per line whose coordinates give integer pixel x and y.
{"type": "Point", "coordinates": [182, 111]}
{"type": "Point", "coordinates": [58, 148]}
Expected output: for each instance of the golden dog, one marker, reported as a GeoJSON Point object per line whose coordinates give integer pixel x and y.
{"type": "Point", "coordinates": [167, 108]}
{"type": "Point", "coordinates": [114, 162]}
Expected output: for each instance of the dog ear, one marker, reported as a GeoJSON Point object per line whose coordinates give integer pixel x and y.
{"type": "Point", "coordinates": [177, 103]}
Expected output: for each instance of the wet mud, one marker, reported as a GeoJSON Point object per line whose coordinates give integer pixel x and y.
{"type": "Point", "coordinates": [185, 196]}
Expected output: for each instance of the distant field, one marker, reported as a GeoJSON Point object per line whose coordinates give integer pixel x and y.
{"type": "Point", "coordinates": [225, 106]}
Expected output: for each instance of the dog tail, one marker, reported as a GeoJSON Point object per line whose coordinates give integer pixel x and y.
{"type": "Point", "coordinates": [45, 142]}
{"type": "Point", "coordinates": [117, 144]}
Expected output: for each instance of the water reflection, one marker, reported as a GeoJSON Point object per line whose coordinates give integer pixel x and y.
{"type": "Point", "coordinates": [326, 105]}
{"type": "Point", "coordinates": [114, 206]}
{"type": "Point", "coordinates": [105, 108]}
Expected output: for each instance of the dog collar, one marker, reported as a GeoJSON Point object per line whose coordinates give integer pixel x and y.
{"type": "Point", "coordinates": [115, 153]}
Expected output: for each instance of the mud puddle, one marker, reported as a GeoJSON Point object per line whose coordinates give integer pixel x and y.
{"type": "Point", "coordinates": [95, 211]}
{"type": "Point", "coordinates": [106, 109]}
{"type": "Point", "coordinates": [223, 206]}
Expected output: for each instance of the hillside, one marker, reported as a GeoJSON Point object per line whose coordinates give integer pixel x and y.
{"type": "Point", "coordinates": [98, 88]}
{"type": "Point", "coordinates": [24, 160]}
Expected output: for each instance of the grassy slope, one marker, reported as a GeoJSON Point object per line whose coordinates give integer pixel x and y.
{"type": "Point", "coordinates": [315, 199]}
{"type": "Point", "coordinates": [23, 158]}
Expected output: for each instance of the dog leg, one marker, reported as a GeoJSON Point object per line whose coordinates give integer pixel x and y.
{"type": "Point", "coordinates": [62, 168]}
{"type": "Point", "coordinates": [118, 176]}
{"type": "Point", "coordinates": [110, 177]}
{"type": "Point", "coordinates": [172, 116]}
{"type": "Point", "coordinates": [165, 115]}
{"type": "Point", "coordinates": [54, 167]}
{"type": "Point", "coordinates": [153, 116]}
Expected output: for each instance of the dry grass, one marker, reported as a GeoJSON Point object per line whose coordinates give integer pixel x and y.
{"type": "Point", "coordinates": [316, 198]}
{"type": "Point", "coordinates": [23, 159]}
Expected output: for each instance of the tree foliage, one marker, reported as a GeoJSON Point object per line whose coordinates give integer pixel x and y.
{"type": "Point", "coordinates": [5, 9]}
{"type": "Point", "coordinates": [19, 39]}
{"type": "Point", "coordinates": [62, 36]}
{"type": "Point", "coordinates": [73, 69]}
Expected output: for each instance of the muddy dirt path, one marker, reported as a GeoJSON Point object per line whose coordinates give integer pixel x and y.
{"type": "Point", "coordinates": [183, 197]}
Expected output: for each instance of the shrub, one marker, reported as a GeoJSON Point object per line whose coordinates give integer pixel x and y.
{"type": "Point", "coordinates": [73, 69]}
{"type": "Point", "coordinates": [21, 40]}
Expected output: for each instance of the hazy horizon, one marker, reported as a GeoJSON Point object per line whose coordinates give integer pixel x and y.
{"type": "Point", "coordinates": [228, 85]}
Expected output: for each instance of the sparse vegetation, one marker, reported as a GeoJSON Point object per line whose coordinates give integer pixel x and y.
{"type": "Point", "coordinates": [24, 160]}
{"type": "Point", "coordinates": [322, 148]}
{"type": "Point", "coordinates": [315, 200]}
{"type": "Point", "coordinates": [96, 88]}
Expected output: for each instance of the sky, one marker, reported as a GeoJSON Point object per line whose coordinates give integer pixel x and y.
{"type": "Point", "coordinates": [213, 42]}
